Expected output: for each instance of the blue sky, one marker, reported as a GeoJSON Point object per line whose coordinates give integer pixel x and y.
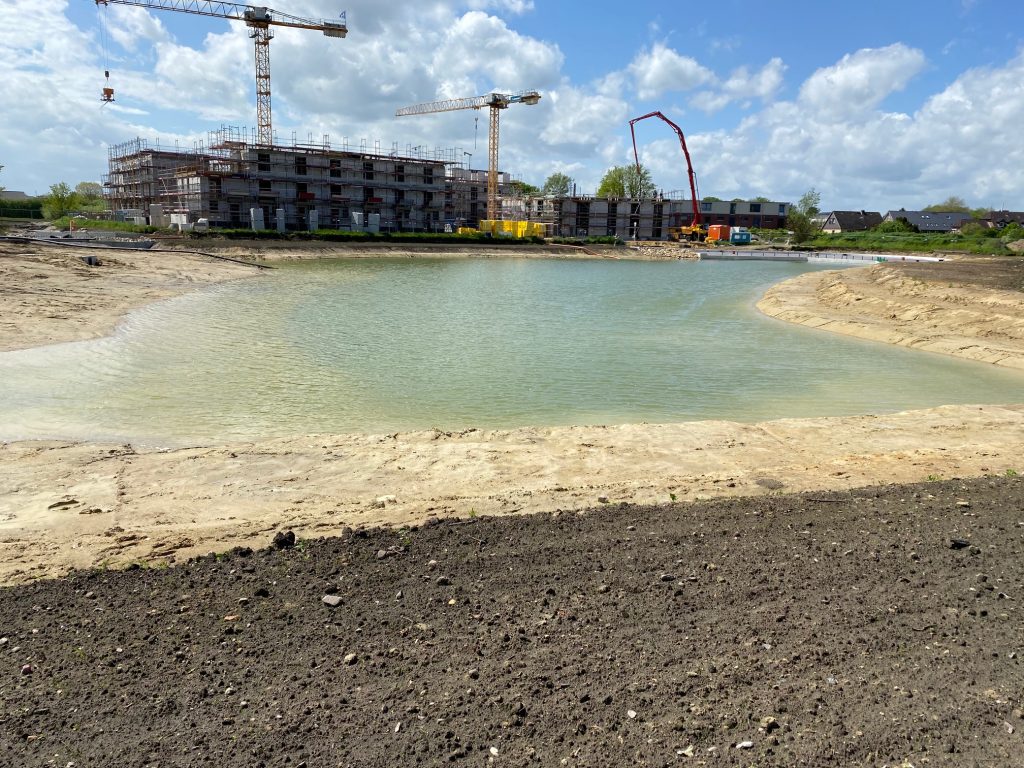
{"type": "Point", "coordinates": [875, 104]}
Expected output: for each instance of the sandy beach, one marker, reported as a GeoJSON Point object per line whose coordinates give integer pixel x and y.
{"type": "Point", "coordinates": [69, 505]}
{"type": "Point", "coordinates": [973, 310]}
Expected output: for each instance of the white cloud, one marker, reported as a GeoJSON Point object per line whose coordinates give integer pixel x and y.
{"type": "Point", "coordinates": [661, 70]}
{"type": "Point", "coordinates": [129, 26]}
{"type": "Point", "coordinates": [861, 81]}
{"type": "Point", "coordinates": [836, 134]}
{"type": "Point", "coordinates": [956, 143]}
{"type": "Point", "coordinates": [744, 86]}
{"type": "Point", "coordinates": [512, 6]}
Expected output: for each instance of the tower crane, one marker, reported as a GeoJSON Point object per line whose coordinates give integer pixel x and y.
{"type": "Point", "coordinates": [259, 19]}
{"type": "Point", "coordinates": [695, 231]}
{"type": "Point", "coordinates": [496, 102]}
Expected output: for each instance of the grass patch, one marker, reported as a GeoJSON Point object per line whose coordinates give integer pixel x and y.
{"type": "Point", "coordinates": [913, 242]}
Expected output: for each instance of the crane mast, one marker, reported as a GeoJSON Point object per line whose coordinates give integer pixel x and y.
{"type": "Point", "coordinates": [495, 102]}
{"type": "Point", "coordinates": [695, 225]}
{"type": "Point", "coordinates": [259, 19]}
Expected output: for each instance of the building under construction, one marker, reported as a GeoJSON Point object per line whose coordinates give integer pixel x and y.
{"type": "Point", "coordinates": [233, 181]}
{"type": "Point", "coordinates": [648, 219]}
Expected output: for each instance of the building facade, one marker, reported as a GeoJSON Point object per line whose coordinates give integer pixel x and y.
{"type": "Point", "coordinates": [584, 216]}
{"type": "Point", "coordinates": [313, 186]}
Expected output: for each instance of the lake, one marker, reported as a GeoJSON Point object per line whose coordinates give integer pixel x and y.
{"type": "Point", "coordinates": [381, 345]}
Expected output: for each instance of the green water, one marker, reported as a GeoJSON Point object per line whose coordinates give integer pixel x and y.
{"type": "Point", "coordinates": [375, 345]}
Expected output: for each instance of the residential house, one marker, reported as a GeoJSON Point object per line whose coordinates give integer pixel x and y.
{"type": "Point", "coordinates": [930, 221]}
{"type": "Point", "coordinates": [1000, 219]}
{"type": "Point", "coordinates": [851, 221]}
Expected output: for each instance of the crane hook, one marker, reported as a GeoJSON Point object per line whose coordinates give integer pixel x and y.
{"type": "Point", "coordinates": [108, 92]}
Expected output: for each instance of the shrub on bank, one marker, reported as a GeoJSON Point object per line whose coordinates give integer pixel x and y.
{"type": "Point", "coordinates": [347, 236]}
{"type": "Point", "coordinates": [981, 243]}
{"type": "Point", "coordinates": [596, 240]}
{"type": "Point", "coordinates": [111, 226]}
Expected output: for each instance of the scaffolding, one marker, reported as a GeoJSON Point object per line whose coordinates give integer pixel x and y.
{"type": "Point", "coordinates": [225, 177]}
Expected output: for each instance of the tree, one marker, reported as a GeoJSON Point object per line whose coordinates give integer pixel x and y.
{"type": "Point", "coordinates": [951, 204]}
{"type": "Point", "coordinates": [524, 189]}
{"type": "Point", "coordinates": [60, 202]}
{"type": "Point", "coordinates": [627, 181]}
{"type": "Point", "coordinates": [711, 199]}
{"type": "Point", "coordinates": [801, 225]}
{"type": "Point", "coordinates": [557, 184]}
{"type": "Point", "coordinates": [89, 191]}
{"type": "Point", "coordinates": [809, 203]}
{"type": "Point", "coordinates": [760, 199]}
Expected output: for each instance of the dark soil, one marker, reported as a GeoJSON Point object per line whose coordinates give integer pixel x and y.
{"type": "Point", "coordinates": [1003, 272]}
{"type": "Point", "coordinates": [876, 627]}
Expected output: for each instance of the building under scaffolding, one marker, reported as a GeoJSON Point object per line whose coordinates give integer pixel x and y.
{"type": "Point", "coordinates": [650, 219]}
{"type": "Point", "coordinates": [232, 181]}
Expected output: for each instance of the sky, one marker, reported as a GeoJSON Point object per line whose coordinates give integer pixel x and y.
{"type": "Point", "coordinates": [877, 105]}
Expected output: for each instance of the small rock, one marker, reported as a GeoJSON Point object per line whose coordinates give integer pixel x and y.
{"type": "Point", "coordinates": [3, 641]}
{"type": "Point", "coordinates": [963, 504]}
{"type": "Point", "coordinates": [1009, 728]}
{"type": "Point", "coordinates": [27, 669]}
{"type": "Point", "coordinates": [228, 691]}
{"type": "Point", "coordinates": [350, 659]}
{"type": "Point", "coordinates": [443, 581]}
{"type": "Point", "coordinates": [770, 724]}
{"type": "Point", "coordinates": [602, 499]}
{"type": "Point", "coordinates": [243, 601]}
{"type": "Point", "coordinates": [687, 751]}
{"type": "Point", "coordinates": [262, 592]}
{"type": "Point", "coordinates": [631, 714]}
{"type": "Point", "coordinates": [381, 554]}
{"type": "Point", "coordinates": [232, 617]}
{"type": "Point", "coordinates": [603, 588]}
{"type": "Point", "coordinates": [90, 595]}
{"type": "Point", "coordinates": [667, 577]}
{"type": "Point", "coordinates": [389, 499]}
{"type": "Point", "coordinates": [332, 601]}
{"type": "Point", "coordinates": [473, 674]}
{"type": "Point", "coordinates": [494, 751]}
{"type": "Point", "coordinates": [284, 540]}
{"type": "Point", "coordinates": [745, 745]}
{"type": "Point", "coordinates": [630, 527]}
{"type": "Point", "coordinates": [959, 544]}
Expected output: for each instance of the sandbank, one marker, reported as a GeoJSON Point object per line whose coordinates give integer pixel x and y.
{"type": "Point", "coordinates": [65, 504]}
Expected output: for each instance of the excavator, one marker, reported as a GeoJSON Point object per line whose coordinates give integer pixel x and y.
{"type": "Point", "coordinates": [695, 230]}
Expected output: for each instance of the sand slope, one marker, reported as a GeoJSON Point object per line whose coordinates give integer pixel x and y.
{"type": "Point", "coordinates": [881, 303]}
{"type": "Point", "coordinates": [75, 504]}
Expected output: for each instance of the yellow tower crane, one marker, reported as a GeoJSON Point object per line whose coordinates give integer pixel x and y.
{"type": "Point", "coordinates": [259, 19]}
{"type": "Point", "coordinates": [496, 102]}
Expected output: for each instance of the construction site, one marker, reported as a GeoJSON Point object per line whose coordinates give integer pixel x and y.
{"type": "Point", "coordinates": [252, 179]}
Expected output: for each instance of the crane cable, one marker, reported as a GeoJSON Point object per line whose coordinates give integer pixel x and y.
{"type": "Point", "coordinates": [108, 92]}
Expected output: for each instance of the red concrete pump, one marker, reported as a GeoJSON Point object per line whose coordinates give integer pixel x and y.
{"type": "Point", "coordinates": [695, 231]}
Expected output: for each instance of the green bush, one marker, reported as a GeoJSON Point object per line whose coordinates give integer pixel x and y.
{"type": "Point", "coordinates": [981, 243]}
{"type": "Point", "coordinates": [347, 236]}
{"type": "Point", "coordinates": [105, 224]}
{"type": "Point", "coordinates": [897, 225]}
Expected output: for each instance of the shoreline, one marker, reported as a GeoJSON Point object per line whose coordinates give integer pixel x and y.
{"type": "Point", "coordinates": [66, 504]}
{"type": "Point", "coordinates": [883, 304]}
